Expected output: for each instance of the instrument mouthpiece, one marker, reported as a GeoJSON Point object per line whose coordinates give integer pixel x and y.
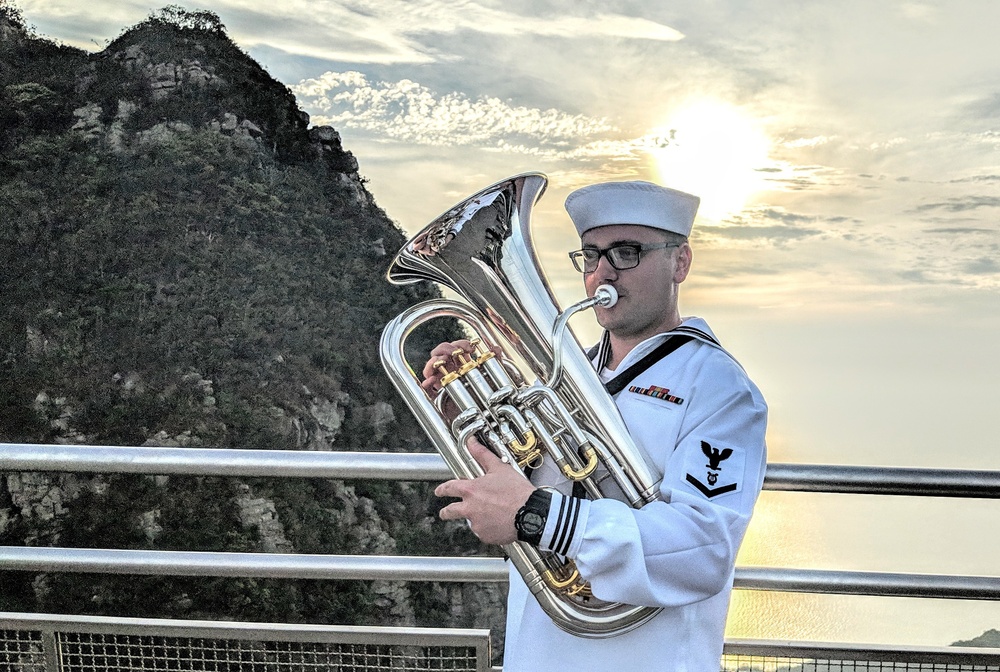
{"type": "Point", "coordinates": [606, 296]}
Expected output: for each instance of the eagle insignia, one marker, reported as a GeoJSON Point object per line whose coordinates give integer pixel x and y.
{"type": "Point", "coordinates": [720, 475]}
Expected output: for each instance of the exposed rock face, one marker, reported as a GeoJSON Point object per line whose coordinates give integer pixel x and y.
{"type": "Point", "coordinates": [260, 513]}
{"type": "Point", "coordinates": [42, 498]}
{"type": "Point", "coordinates": [327, 140]}
{"type": "Point", "coordinates": [166, 78]}
{"type": "Point", "coordinates": [36, 495]}
{"type": "Point", "coordinates": [380, 416]}
{"type": "Point", "coordinates": [329, 417]}
{"type": "Point", "coordinates": [115, 136]}
{"type": "Point", "coordinates": [479, 604]}
{"type": "Point", "coordinates": [316, 425]}
{"type": "Point", "coordinates": [89, 121]}
{"type": "Point", "coordinates": [329, 147]}
{"type": "Point", "coordinates": [368, 537]}
{"type": "Point", "coordinates": [149, 523]}
{"type": "Point", "coordinates": [161, 134]}
{"type": "Point", "coordinates": [60, 417]}
{"type": "Point", "coordinates": [9, 32]}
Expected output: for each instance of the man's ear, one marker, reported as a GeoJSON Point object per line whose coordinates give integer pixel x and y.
{"type": "Point", "coordinates": [684, 257]}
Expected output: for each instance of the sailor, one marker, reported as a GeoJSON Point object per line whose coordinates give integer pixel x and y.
{"type": "Point", "coordinates": [694, 411]}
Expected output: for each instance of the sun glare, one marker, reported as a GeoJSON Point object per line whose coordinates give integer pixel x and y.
{"type": "Point", "coordinates": [713, 150]}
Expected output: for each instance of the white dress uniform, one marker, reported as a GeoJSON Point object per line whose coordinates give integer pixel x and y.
{"type": "Point", "coordinates": [702, 421]}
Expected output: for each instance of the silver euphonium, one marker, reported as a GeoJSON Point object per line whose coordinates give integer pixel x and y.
{"type": "Point", "coordinates": [481, 248]}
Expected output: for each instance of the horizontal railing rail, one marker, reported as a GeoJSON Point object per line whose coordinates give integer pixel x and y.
{"type": "Point", "coordinates": [298, 632]}
{"type": "Point", "coordinates": [223, 462]}
{"type": "Point", "coordinates": [445, 569]}
{"type": "Point", "coordinates": [431, 467]}
{"type": "Point", "coordinates": [254, 565]}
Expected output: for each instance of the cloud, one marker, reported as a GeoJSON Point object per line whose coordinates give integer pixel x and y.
{"type": "Point", "coordinates": [961, 204]}
{"type": "Point", "coordinates": [357, 31]}
{"type": "Point", "coordinates": [918, 12]}
{"type": "Point", "coordinates": [982, 266]}
{"type": "Point", "coordinates": [737, 268]}
{"type": "Point", "coordinates": [887, 144]}
{"type": "Point", "coordinates": [814, 141]}
{"type": "Point", "coordinates": [77, 24]}
{"type": "Point", "coordinates": [972, 262]}
{"type": "Point", "coordinates": [607, 25]}
{"type": "Point", "coordinates": [370, 31]}
{"type": "Point", "coordinates": [981, 273]}
{"type": "Point", "coordinates": [987, 107]}
{"type": "Point", "coordinates": [767, 225]}
{"type": "Point", "coordinates": [788, 176]}
{"type": "Point", "coordinates": [977, 178]}
{"type": "Point", "coordinates": [959, 230]}
{"type": "Point", "coordinates": [407, 112]}
{"type": "Point", "coordinates": [775, 234]}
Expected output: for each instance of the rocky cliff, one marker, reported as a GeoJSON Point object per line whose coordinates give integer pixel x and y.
{"type": "Point", "coordinates": [188, 263]}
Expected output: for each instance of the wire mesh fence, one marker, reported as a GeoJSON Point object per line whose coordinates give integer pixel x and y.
{"type": "Point", "coordinates": [140, 647]}
{"type": "Point", "coordinates": [790, 657]}
{"type": "Point", "coordinates": [21, 651]}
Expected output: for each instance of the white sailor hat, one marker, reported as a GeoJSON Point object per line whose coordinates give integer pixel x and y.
{"type": "Point", "coordinates": [637, 202]}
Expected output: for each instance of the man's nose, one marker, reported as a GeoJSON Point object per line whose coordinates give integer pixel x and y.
{"type": "Point", "coordinates": [604, 270]}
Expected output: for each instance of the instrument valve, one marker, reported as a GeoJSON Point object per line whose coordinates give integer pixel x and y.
{"type": "Point", "coordinates": [482, 353]}
{"type": "Point", "coordinates": [447, 377]}
{"type": "Point", "coordinates": [465, 364]}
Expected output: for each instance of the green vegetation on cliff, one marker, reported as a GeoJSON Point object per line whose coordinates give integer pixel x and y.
{"type": "Point", "coordinates": [185, 262]}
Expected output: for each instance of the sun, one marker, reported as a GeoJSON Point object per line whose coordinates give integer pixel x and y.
{"type": "Point", "coordinates": [713, 150]}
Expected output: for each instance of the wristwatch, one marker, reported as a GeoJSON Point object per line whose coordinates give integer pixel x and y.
{"type": "Point", "coordinates": [530, 518]}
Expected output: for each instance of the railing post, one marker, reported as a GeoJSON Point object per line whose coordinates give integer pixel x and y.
{"type": "Point", "coordinates": [50, 650]}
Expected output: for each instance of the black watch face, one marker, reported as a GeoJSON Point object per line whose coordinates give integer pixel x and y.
{"type": "Point", "coordinates": [532, 523]}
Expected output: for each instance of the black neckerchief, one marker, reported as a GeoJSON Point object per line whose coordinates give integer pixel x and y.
{"type": "Point", "coordinates": [621, 380]}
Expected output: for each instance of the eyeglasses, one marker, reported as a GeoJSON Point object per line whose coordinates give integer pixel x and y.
{"type": "Point", "coordinates": [622, 256]}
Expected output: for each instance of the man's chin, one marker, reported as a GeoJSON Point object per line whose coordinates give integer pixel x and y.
{"type": "Point", "coordinates": [606, 317]}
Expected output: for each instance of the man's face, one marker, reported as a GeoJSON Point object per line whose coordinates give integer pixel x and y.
{"type": "Point", "coordinates": [647, 294]}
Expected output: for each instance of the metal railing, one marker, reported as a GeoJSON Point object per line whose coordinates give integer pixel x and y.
{"type": "Point", "coordinates": [50, 643]}
{"type": "Point", "coordinates": [769, 656]}
{"type": "Point", "coordinates": [430, 467]}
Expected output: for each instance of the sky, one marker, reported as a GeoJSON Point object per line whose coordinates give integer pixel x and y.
{"type": "Point", "coordinates": [847, 249]}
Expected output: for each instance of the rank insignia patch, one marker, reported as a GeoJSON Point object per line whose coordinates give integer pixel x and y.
{"type": "Point", "coordinates": [714, 471]}
{"type": "Point", "coordinates": [656, 392]}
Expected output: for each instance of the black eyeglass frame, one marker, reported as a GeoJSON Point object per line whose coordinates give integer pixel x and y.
{"type": "Point", "coordinates": [577, 255]}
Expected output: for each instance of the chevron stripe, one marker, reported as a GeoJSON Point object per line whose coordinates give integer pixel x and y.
{"type": "Point", "coordinates": [710, 492]}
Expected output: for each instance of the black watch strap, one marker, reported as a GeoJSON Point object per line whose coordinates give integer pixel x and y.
{"type": "Point", "coordinates": [530, 518]}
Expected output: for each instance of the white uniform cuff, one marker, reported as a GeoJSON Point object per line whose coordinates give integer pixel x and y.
{"type": "Point", "coordinates": [564, 528]}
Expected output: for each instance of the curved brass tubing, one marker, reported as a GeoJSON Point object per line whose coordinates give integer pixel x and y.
{"type": "Point", "coordinates": [578, 475]}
